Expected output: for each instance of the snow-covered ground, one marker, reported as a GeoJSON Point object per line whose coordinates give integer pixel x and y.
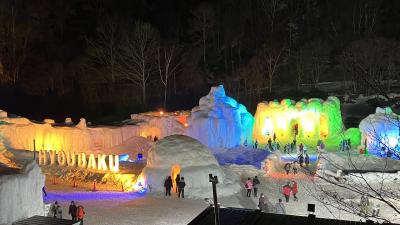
{"type": "Point", "coordinates": [154, 208]}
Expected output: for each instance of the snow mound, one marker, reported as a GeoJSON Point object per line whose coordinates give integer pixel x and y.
{"type": "Point", "coordinates": [220, 121]}
{"type": "Point", "coordinates": [192, 160]}
{"type": "Point", "coordinates": [21, 194]}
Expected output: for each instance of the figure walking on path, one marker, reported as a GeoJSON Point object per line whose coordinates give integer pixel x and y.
{"type": "Point", "coordinates": [280, 208]}
{"type": "Point", "coordinates": [177, 179]}
{"type": "Point", "coordinates": [286, 191]}
{"type": "Point", "coordinates": [80, 213]}
{"type": "Point", "coordinates": [72, 211]}
{"type": "Point", "coordinates": [181, 188]}
{"type": "Point", "coordinates": [287, 168]}
{"type": "Point", "coordinates": [295, 189]}
{"type": "Point", "coordinates": [307, 160]}
{"type": "Point", "coordinates": [168, 186]}
{"type": "Point", "coordinates": [256, 183]}
{"type": "Point", "coordinates": [301, 159]}
{"type": "Point", "coordinates": [295, 167]}
{"type": "Point", "coordinates": [263, 203]}
{"type": "Point", "coordinates": [248, 185]}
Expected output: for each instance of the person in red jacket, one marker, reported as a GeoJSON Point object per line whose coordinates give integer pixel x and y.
{"type": "Point", "coordinates": [80, 213]}
{"type": "Point", "coordinates": [286, 191]}
{"type": "Point", "coordinates": [295, 189]}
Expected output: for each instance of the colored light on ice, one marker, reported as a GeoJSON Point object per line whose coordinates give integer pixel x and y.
{"type": "Point", "coordinates": [392, 141]}
{"type": "Point", "coordinates": [268, 127]}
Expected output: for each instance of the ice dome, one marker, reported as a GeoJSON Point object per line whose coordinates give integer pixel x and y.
{"type": "Point", "coordinates": [380, 132]}
{"type": "Point", "coordinates": [220, 121]}
{"type": "Point", "coordinates": [179, 154]}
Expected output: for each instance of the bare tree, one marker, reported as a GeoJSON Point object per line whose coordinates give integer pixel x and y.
{"type": "Point", "coordinates": [13, 44]}
{"type": "Point", "coordinates": [342, 178]}
{"type": "Point", "coordinates": [103, 49]}
{"type": "Point", "coordinates": [138, 56]}
{"type": "Point", "coordinates": [202, 26]}
{"type": "Point", "coordinates": [272, 58]}
{"type": "Point", "coordinates": [168, 63]}
{"type": "Point", "coordinates": [271, 9]}
{"type": "Point", "coordinates": [373, 64]}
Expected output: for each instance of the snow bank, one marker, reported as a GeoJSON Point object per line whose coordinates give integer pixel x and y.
{"type": "Point", "coordinates": [380, 132]}
{"type": "Point", "coordinates": [220, 121]}
{"type": "Point", "coordinates": [194, 161]}
{"type": "Point", "coordinates": [19, 133]}
{"type": "Point", "coordinates": [21, 194]}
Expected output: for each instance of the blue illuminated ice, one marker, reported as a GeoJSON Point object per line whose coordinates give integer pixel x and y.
{"type": "Point", "coordinates": [220, 121]}
{"type": "Point", "coordinates": [381, 133]}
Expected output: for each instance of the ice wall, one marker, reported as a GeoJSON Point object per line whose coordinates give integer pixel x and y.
{"type": "Point", "coordinates": [19, 133]}
{"type": "Point", "coordinates": [309, 120]}
{"type": "Point", "coordinates": [380, 131]}
{"type": "Point", "coordinates": [21, 194]}
{"type": "Point", "coordinates": [220, 121]}
{"type": "Point", "coordinates": [160, 124]}
{"type": "Point", "coordinates": [194, 161]}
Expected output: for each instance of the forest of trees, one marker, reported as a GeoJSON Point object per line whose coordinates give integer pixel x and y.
{"type": "Point", "coordinates": [105, 59]}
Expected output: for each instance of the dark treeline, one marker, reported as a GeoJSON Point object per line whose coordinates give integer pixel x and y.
{"type": "Point", "coordinates": [106, 59]}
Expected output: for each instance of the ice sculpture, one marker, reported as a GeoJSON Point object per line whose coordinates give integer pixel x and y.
{"type": "Point", "coordinates": [179, 154]}
{"type": "Point", "coordinates": [306, 121]}
{"type": "Point", "coordinates": [220, 121]}
{"type": "Point", "coordinates": [381, 133]}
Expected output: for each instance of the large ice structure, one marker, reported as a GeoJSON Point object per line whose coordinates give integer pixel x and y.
{"type": "Point", "coordinates": [21, 194]}
{"type": "Point", "coordinates": [179, 154]}
{"type": "Point", "coordinates": [20, 133]}
{"type": "Point", "coordinates": [161, 124]}
{"type": "Point", "coordinates": [308, 120]}
{"type": "Point", "coordinates": [220, 121]}
{"type": "Point", "coordinates": [381, 133]}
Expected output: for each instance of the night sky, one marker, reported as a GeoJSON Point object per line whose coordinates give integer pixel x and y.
{"type": "Point", "coordinates": [103, 60]}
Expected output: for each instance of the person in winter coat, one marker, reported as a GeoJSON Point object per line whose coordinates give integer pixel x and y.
{"type": "Point", "coordinates": [301, 159]}
{"type": "Point", "coordinates": [295, 189]}
{"type": "Point", "coordinates": [248, 185]}
{"type": "Point", "coordinates": [80, 213]}
{"type": "Point", "coordinates": [168, 186]}
{"type": "Point", "coordinates": [262, 203]}
{"type": "Point", "coordinates": [181, 188]}
{"type": "Point", "coordinates": [256, 183]}
{"type": "Point", "coordinates": [280, 208]}
{"type": "Point", "coordinates": [287, 168]}
{"type": "Point", "coordinates": [177, 179]}
{"type": "Point", "coordinates": [72, 211]}
{"type": "Point", "coordinates": [295, 167]}
{"type": "Point", "coordinates": [307, 160]}
{"type": "Point", "coordinates": [286, 191]}
{"type": "Point", "coordinates": [55, 210]}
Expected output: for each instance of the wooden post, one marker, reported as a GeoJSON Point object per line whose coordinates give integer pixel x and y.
{"type": "Point", "coordinates": [54, 179]}
{"type": "Point", "coordinates": [94, 185]}
{"type": "Point", "coordinates": [122, 185]}
{"type": "Point", "coordinates": [74, 185]}
{"type": "Point", "coordinates": [34, 149]}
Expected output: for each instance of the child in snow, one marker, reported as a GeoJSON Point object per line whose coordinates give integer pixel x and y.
{"type": "Point", "coordinates": [286, 191]}
{"type": "Point", "coordinates": [249, 186]}
{"type": "Point", "coordinates": [80, 213]}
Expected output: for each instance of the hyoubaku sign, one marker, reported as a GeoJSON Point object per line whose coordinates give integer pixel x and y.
{"type": "Point", "coordinates": [80, 160]}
